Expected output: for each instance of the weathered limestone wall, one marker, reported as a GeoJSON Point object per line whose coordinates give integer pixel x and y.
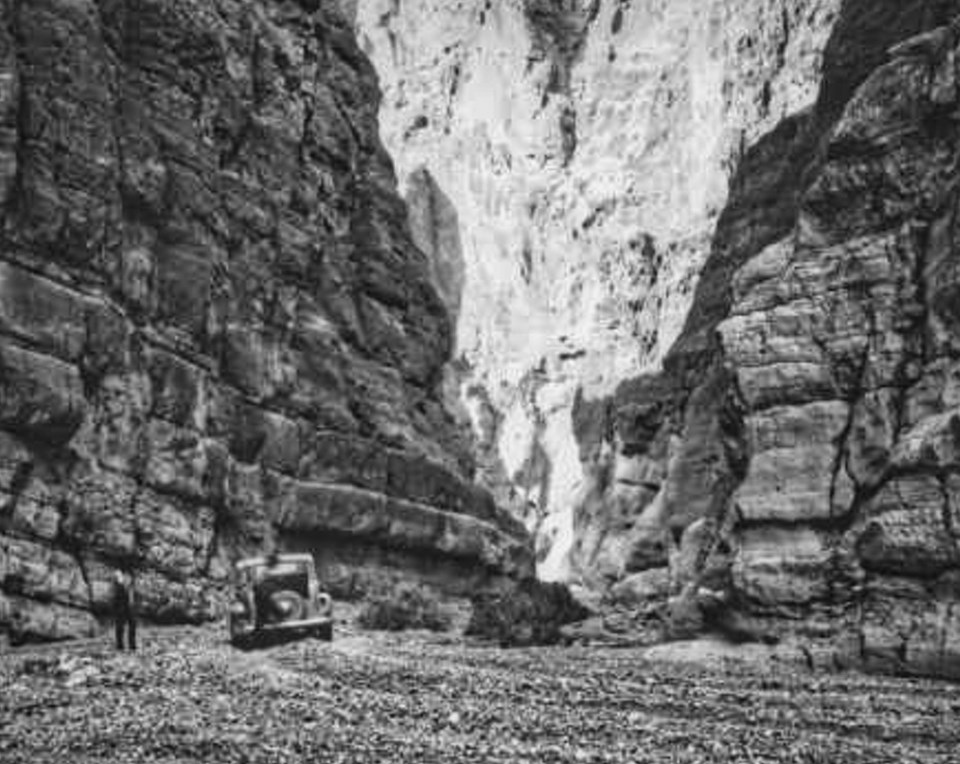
{"type": "Point", "coordinates": [799, 452]}
{"type": "Point", "coordinates": [586, 148]}
{"type": "Point", "coordinates": [215, 329]}
{"type": "Point", "coordinates": [707, 332]}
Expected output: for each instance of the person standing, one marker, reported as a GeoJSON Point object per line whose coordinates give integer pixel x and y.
{"type": "Point", "coordinates": [123, 601]}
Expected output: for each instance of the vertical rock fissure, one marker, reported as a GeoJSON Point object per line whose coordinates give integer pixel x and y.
{"type": "Point", "coordinates": [784, 43]}
{"type": "Point", "coordinates": [841, 442]}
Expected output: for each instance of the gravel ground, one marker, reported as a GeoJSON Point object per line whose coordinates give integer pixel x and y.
{"type": "Point", "coordinates": [187, 696]}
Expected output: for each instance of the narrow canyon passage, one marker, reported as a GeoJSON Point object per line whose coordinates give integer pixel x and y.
{"type": "Point", "coordinates": [656, 299]}
{"type": "Point", "coordinates": [704, 339]}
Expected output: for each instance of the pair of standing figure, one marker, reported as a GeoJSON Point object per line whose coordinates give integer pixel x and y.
{"type": "Point", "coordinates": [122, 602]}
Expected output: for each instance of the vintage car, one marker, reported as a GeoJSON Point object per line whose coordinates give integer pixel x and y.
{"type": "Point", "coordinates": [276, 596]}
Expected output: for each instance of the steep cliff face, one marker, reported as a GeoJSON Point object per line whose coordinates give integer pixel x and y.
{"type": "Point", "coordinates": [845, 339]}
{"type": "Point", "coordinates": [587, 148]}
{"type": "Point", "coordinates": [216, 333]}
{"type": "Point", "coordinates": [708, 330]}
{"type": "Point", "coordinates": [803, 433]}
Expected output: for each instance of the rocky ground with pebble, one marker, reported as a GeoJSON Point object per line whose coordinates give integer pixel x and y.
{"type": "Point", "coordinates": [383, 697]}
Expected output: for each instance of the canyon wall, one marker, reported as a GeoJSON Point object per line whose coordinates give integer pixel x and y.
{"type": "Point", "coordinates": [708, 330]}
{"type": "Point", "coordinates": [585, 150]}
{"type": "Point", "coordinates": [217, 335]}
{"type": "Point", "coordinates": [800, 444]}
{"type": "Point", "coordinates": [694, 265]}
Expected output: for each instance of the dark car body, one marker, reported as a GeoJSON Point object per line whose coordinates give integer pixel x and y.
{"type": "Point", "coordinates": [278, 596]}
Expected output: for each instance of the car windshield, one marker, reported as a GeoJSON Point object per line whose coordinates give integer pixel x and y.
{"type": "Point", "coordinates": [289, 576]}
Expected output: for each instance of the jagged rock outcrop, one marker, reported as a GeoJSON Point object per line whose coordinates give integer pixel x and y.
{"type": "Point", "coordinates": [216, 332]}
{"type": "Point", "coordinates": [586, 148]}
{"type": "Point", "coordinates": [800, 448]}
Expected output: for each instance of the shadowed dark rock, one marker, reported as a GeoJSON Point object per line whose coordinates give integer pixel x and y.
{"type": "Point", "coordinates": [215, 329]}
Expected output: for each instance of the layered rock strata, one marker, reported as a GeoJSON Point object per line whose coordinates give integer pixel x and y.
{"type": "Point", "coordinates": [586, 148]}
{"type": "Point", "coordinates": [758, 195]}
{"type": "Point", "coordinates": [216, 333]}
{"type": "Point", "coordinates": [793, 471]}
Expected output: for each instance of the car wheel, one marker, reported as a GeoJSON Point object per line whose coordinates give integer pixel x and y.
{"type": "Point", "coordinates": [240, 641]}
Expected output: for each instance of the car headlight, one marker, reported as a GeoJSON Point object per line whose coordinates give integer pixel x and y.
{"type": "Point", "coordinates": [324, 603]}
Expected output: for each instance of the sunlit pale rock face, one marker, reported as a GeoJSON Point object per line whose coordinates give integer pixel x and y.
{"type": "Point", "coordinates": [216, 333]}
{"type": "Point", "coordinates": [586, 149]}
{"type": "Point", "coordinates": [708, 321]}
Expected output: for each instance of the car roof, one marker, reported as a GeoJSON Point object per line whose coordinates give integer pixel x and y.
{"type": "Point", "coordinates": [253, 562]}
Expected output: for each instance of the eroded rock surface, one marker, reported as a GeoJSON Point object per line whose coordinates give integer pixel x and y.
{"type": "Point", "coordinates": [708, 334]}
{"type": "Point", "coordinates": [586, 148]}
{"type": "Point", "coordinates": [216, 332]}
{"type": "Point", "coordinates": [794, 468]}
